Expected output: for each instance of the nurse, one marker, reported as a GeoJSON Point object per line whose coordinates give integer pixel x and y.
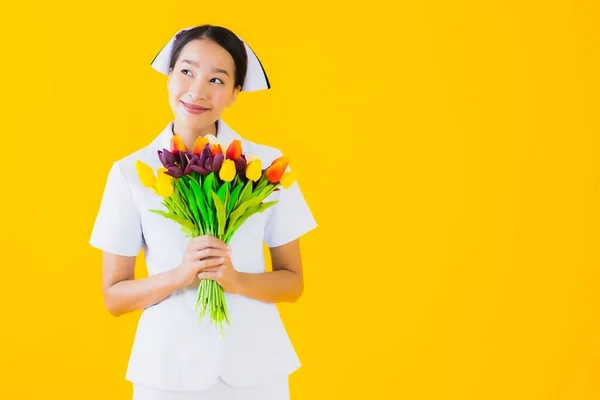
{"type": "Point", "coordinates": [174, 354]}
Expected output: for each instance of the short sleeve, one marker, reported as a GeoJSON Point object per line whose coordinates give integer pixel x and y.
{"type": "Point", "coordinates": [290, 219]}
{"type": "Point", "coordinates": [117, 228]}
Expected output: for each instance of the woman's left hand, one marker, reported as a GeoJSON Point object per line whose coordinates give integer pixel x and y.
{"type": "Point", "coordinates": [224, 274]}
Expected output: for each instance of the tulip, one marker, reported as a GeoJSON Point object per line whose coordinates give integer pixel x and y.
{"type": "Point", "coordinates": [199, 145]}
{"type": "Point", "coordinates": [202, 171]}
{"type": "Point", "coordinates": [174, 171]}
{"type": "Point", "coordinates": [164, 184]}
{"type": "Point", "coordinates": [287, 180]}
{"type": "Point", "coordinates": [188, 169]}
{"type": "Point", "coordinates": [254, 170]}
{"type": "Point", "coordinates": [145, 173]}
{"type": "Point", "coordinates": [234, 151]}
{"type": "Point", "coordinates": [276, 169]}
{"type": "Point", "coordinates": [217, 162]}
{"type": "Point", "coordinates": [216, 149]}
{"type": "Point", "coordinates": [166, 157]}
{"type": "Point", "coordinates": [177, 144]}
{"type": "Point", "coordinates": [240, 165]}
{"type": "Point", "coordinates": [227, 172]}
{"type": "Point", "coordinates": [212, 139]}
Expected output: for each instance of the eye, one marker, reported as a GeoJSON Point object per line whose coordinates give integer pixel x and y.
{"type": "Point", "coordinates": [220, 81]}
{"type": "Point", "coordinates": [184, 71]}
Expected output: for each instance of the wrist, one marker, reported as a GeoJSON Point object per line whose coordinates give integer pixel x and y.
{"type": "Point", "coordinates": [175, 278]}
{"type": "Point", "coordinates": [240, 283]}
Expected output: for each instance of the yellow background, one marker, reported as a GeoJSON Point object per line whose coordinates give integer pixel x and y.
{"type": "Point", "coordinates": [448, 150]}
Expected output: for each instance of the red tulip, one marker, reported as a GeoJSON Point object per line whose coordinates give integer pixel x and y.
{"type": "Point", "coordinates": [177, 144]}
{"type": "Point", "coordinates": [276, 169]}
{"type": "Point", "coordinates": [234, 151]}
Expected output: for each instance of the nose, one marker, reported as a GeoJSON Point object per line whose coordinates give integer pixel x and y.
{"type": "Point", "coordinates": [199, 90]}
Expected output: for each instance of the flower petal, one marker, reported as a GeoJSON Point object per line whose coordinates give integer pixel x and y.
{"type": "Point", "coordinates": [240, 165]}
{"type": "Point", "coordinates": [254, 170]}
{"type": "Point", "coordinates": [200, 170]}
{"type": "Point", "coordinates": [277, 168]}
{"type": "Point", "coordinates": [164, 185]}
{"type": "Point", "coordinates": [177, 144]}
{"type": "Point", "coordinates": [174, 171]}
{"type": "Point", "coordinates": [145, 173]}
{"type": "Point", "coordinates": [215, 149]}
{"type": "Point", "coordinates": [227, 172]}
{"type": "Point", "coordinates": [287, 180]}
{"type": "Point", "coordinates": [188, 169]}
{"type": "Point", "coordinates": [234, 151]}
{"type": "Point", "coordinates": [217, 162]}
{"type": "Point", "coordinates": [199, 145]}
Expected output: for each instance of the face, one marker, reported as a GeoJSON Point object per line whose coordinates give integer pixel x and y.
{"type": "Point", "coordinates": [204, 70]}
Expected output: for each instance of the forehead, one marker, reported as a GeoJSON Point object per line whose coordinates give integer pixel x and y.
{"type": "Point", "coordinates": [207, 54]}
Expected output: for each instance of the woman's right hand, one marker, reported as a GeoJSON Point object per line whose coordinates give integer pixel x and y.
{"type": "Point", "coordinates": [201, 252]}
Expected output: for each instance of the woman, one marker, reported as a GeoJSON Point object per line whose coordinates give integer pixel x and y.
{"type": "Point", "coordinates": [174, 355]}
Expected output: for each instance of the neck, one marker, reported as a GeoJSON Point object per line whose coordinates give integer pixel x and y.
{"type": "Point", "coordinates": [189, 134]}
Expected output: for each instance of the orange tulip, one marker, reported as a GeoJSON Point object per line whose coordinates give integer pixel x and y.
{"type": "Point", "coordinates": [177, 144]}
{"type": "Point", "coordinates": [234, 151]}
{"type": "Point", "coordinates": [216, 149]}
{"type": "Point", "coordinates": [277, 168]}
{"type": "Point", "coordinates": [199, 145]}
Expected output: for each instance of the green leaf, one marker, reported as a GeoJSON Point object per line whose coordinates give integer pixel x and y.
{"type": "Point", "coordinates": [207, 187]}
{"type": "Point", "coordinates": [238, 212]}
{"type": "Point", "coordinates": [222, 193]}
{"type": "Point", "coordinates": [246, 193]}
{"type": "Point", "coordinates": [193, 206]}
{"type": "Point", "coordinates": [250, 211]}
{"type": "Point", "coordinates": [200, 201]}
{"type": "Point", "coordinates": [220, 214]}
{"type": "Point", "coordinates": [185, 223]}
{"type": "Point", "coordinates": [262, 182]}
{"type": "Point", "coordinates": [234, 197]}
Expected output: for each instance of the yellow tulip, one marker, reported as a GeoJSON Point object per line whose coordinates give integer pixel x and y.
{"type": "Point", "coordinates": [164, 185]}
{"type": "Point", "coordinates": [228, 171]}
{"type": "Point", "coordinates": [287, 180]}
{"type": "Point", "coordinates": [254, 170]}
{"type": "Point", "coordinates": [145, 174]}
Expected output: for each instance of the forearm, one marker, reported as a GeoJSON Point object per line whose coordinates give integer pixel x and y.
{"type": "Point", "coordinates": [135, 294]}
{"type": "Point", "coordinates": [271, 287]}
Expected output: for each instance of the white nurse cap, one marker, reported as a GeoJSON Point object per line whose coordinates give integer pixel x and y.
{"type": "Point", "coordinates": [256, 77]}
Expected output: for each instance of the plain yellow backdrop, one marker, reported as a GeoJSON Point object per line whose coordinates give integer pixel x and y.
{"type": "Point", "coordinates": [448, 150]}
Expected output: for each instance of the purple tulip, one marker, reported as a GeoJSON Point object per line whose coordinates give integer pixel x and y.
{"type": "Point", "coordinates": [174, 171]}
{"type": "Point", "coordinates": [188, 169]}
{"type": "Point", "coordinates": [240, 165]}
{"type": "Point", "coordinates": [166, 157]}
{"type": "Point", "coordinates": [217, 162]}
{"type": "Point", "coordinates": [199, 170]}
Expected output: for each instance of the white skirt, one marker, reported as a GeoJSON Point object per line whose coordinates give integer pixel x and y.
{"type": "Point", "coordinates": [221, 391]}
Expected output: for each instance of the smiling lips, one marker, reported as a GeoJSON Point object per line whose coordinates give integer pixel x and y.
{"type": "Point", "coordinates": [194, 109]}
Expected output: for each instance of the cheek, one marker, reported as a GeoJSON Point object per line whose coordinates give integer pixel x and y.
{"type": "Point", "coordinates": [176, 88]}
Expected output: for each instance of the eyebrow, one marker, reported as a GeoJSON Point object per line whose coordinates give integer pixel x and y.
{"type": "Point", "coordinates": [215, 70]}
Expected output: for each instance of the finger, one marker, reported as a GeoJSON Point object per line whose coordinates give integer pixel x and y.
{"type": "Point", "coordinates": [208, 275]}
{"type": "Point", "coordinates": [208, 241]}
{"type": "Point", "coordinates": [212, 269]}
{"type": "Point", "coordinates": [211, 252]}
{"type": "Point", "coordinates": [209, 262]}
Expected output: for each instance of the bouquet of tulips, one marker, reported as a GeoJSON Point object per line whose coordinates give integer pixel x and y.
{"type": "Point", "coordinates": [208, 192]}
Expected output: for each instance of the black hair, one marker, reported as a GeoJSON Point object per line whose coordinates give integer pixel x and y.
{"type": "Point", "coordinates": [224, 38]}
